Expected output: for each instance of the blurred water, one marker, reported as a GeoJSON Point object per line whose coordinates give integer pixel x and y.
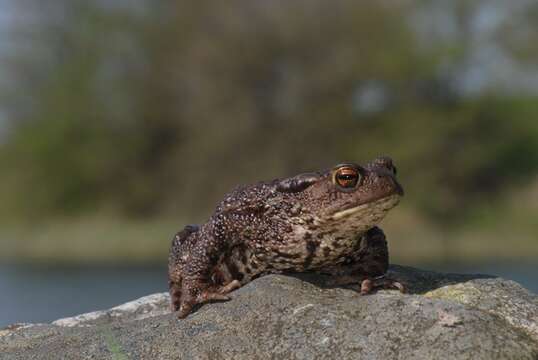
{"type": "Point", "coordinates": [43, 294]}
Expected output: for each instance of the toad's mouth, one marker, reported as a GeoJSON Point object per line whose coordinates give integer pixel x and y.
{"type": "Point", "coordinates": [381, 205]}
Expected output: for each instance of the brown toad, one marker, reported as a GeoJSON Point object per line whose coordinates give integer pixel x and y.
{"type": "Point", "coordinates": [323, 222]}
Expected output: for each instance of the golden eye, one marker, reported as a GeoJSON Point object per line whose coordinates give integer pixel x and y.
{"type": "Point", "coordinates": [347, 177]}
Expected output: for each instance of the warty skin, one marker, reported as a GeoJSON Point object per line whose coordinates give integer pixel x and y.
{"type": "Point", "coordinates": [322, 221]}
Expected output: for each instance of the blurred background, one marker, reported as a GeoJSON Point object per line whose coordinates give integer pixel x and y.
{"type": "Point", "coordinates": [121, 121]}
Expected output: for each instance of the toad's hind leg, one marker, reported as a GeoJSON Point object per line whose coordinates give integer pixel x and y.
{"type": "Point", "coordinates": [197, 292]}
{"type": "Point", "coordinates": [201, 290]}
{"type": "Point", "coordinates": [231, 286]}
{"type": "Point", "coordinates": [181, 244]}
{"type": "Point", "coordinates": [368, 265]}
{"type": "Point", "coordinates": [193, 276]}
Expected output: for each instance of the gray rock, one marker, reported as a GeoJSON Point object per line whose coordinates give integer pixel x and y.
{"type": "Point", "coordinates": [445, 316]}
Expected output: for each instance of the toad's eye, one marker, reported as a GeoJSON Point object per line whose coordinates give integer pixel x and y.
{"type": "Point", "coordinates": [347, 177]}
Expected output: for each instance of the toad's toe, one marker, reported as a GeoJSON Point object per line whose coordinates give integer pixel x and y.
{"type": "Point", "coordinates": [382, 282]}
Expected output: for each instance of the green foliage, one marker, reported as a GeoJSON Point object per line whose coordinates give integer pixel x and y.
{"type": "Point", "coordinates": [164, 110]}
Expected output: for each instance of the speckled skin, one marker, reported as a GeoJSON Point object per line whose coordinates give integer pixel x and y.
{"type": "Point", "coordinates": [304, 223]}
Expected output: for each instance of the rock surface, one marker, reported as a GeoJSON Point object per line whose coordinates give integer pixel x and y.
{"type": "Point", "coordinates": [445, 316]}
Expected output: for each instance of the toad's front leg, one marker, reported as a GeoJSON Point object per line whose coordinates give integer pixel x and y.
{"type": "Point", "coordinates": [367, 266]}
{"type": "Point", "coordinates": [192, 265]}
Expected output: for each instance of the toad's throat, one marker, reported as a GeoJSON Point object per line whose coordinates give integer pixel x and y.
{"type": "Point", "coordinates": [383, 204]}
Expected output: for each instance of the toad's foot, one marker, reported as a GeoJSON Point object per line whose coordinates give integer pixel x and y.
{"type": "Point", "coordinates": [231, 286]}
{"type": "Point", "coordinates": [368, 285]}
{"type": "Point", "coordinates": [187, 302]}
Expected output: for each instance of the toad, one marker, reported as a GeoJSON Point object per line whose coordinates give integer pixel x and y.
{"type": "Point", "coordinates": [321, 222]}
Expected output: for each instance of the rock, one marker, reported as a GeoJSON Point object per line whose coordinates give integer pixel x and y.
{"type": "Point", "coordinates": [445, 316]}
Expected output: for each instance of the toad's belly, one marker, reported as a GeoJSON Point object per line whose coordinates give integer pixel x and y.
{"type": "Point", "coordinates": [303, 250]}
{"type": "Point", "coordinates": [311, 251]}
{"type": "Point", "coordinates": [245, 263]}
